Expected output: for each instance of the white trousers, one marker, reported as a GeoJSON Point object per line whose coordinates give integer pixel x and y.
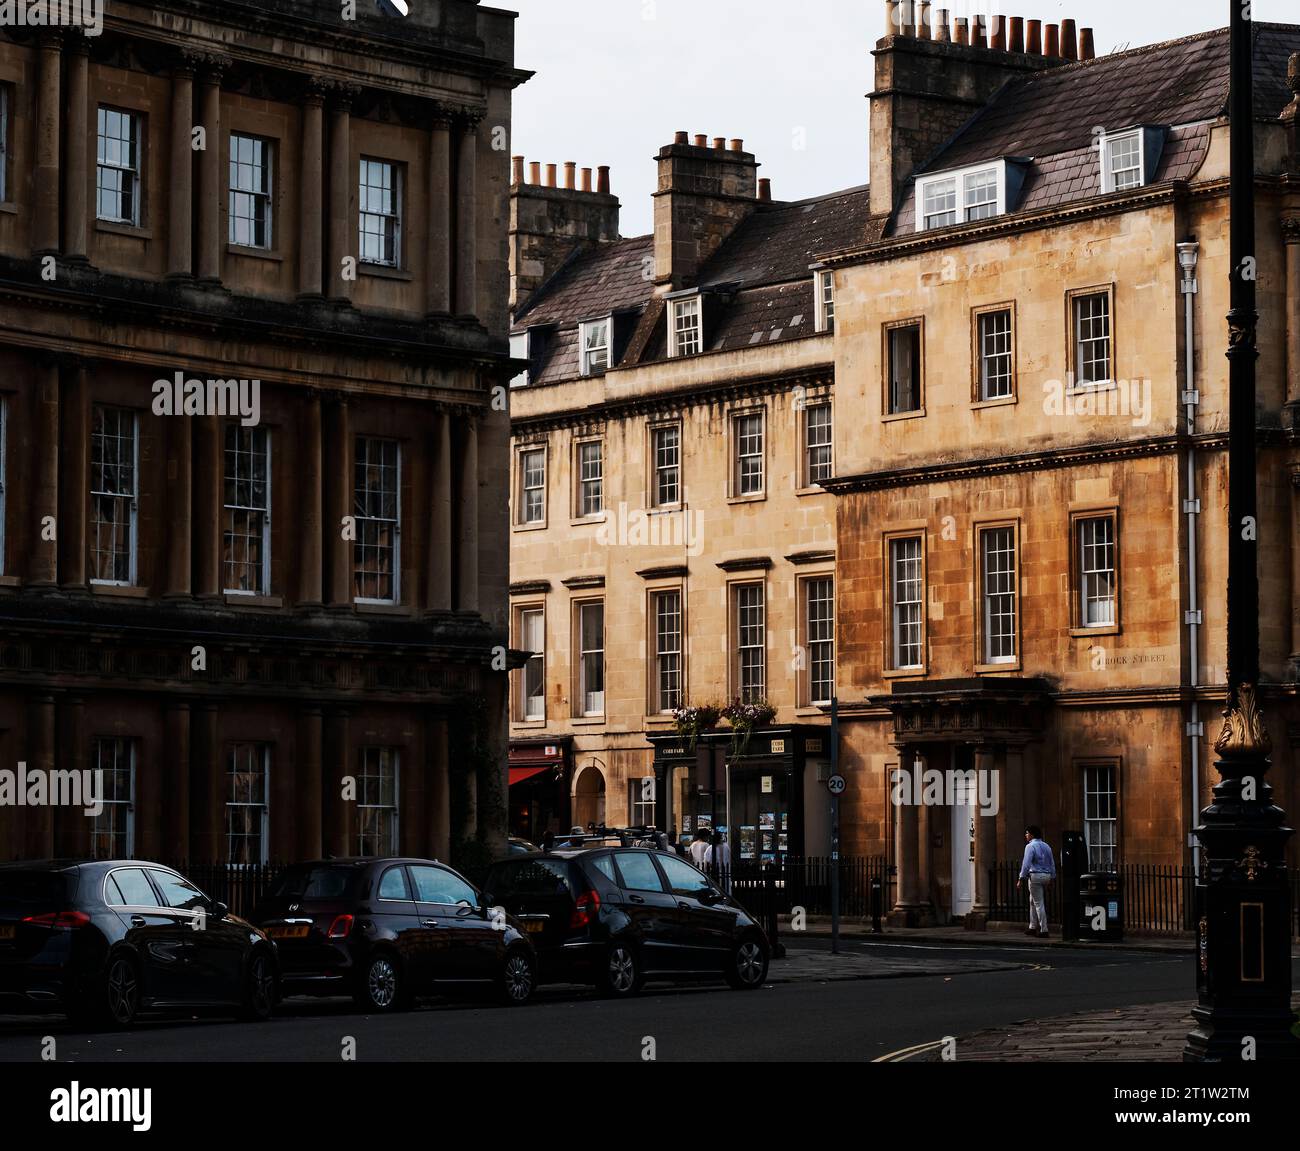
{"type": "Point", "coordinates": [1037, 902]}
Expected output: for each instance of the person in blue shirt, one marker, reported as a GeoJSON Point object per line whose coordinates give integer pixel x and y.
{"type": "Point", "coordinates": [1039, 867]}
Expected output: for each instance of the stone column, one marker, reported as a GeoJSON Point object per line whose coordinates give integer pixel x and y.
{"type": "Point", "coordinates": [39, 821]}
{"type": "Point", "coordinates": [42, 559]}
{"type": "Point", "coordinates": [74, 456]}
{"type": "Point", "coordinates": [180, 209]}
{"type": "Point", "coordinates": [310, 776]}
{"type": "Point", "coordinates": [440, 222]}
{"type": "Point", "coordinates": [210, 181]}
{"type": "Point", "coordinates": [76, 217]}
{"type": "Point", "coordinates": [468, 542]}
{"type": "Point", "coordinates": [338, 811]}
{"type": "Point", "coordinates": [439, 790]}
{"type": "Point", "coordinates": [208, 466]}
{"type": "Point", "coordinates": [73, 840]}
{"type": "Point", "coordinates": [180, 470]}
{"type": "Point", "coordinates": [1291, 235]}
{"type": "Point", "coordinates": [467, 219]}
{"type": "Point", "coordinates": [45, 186]}
{"type": "Point", "coordinates": [906, 846]}
{"type": "Point", "coordinates": [986, 838]}
{"type": "Point", "coordinates": [924, 853]}
{"type": "Point", "coordinates": [312, 191]}
{"type": "Point", "coordinates": [340, 549]}
{"type": "Point", "coordinates": [207, 785]}
{"type": "Point", "coordinates": [310, 472]}
{"type": "Point", "coordinates": [440, 549]}
{"type": "Point", "coordinates": [343, 178]}
{"type": "Point", "coordinates": [176, 786]}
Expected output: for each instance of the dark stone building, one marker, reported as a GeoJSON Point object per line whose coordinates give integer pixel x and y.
{"type": "Point", "coordinates": [273, 627]}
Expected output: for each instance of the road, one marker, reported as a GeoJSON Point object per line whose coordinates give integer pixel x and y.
{"type": "Point", "coordinates": [849, 1020]}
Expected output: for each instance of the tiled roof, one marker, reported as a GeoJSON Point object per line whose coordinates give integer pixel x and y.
{"type": "Point", "coordinates": [606, 279]}
{"type": "Point", "coordinates": [767, 314]}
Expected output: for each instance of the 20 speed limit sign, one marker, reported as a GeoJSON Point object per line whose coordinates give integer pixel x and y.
{"type": "Point", "coordinates": [836, 785]}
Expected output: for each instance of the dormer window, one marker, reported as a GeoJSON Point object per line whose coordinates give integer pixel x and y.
{"type": "Point", "coordinates": [824, 290]}
{"type": "Point", "coordinates": [519, 351]}
{"type": "Point", "coordinates": [964, 196]}
{"type": "Point", "coordinates": [686, 327]}
{"type": "Point", "coordinates": [595, 346]}
{"type": "Point", "coordinates": [1129, 159]}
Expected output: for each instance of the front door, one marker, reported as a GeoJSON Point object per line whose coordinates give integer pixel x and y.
{"type": "Point", "coordinates": [964, 814]}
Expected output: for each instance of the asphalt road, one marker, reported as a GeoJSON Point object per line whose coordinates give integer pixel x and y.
{"type": "Point", "coordinates": [815, 1020]}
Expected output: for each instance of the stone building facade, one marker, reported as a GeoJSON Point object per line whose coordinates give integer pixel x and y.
{"type": "Point", "coordinates": [272, 630]}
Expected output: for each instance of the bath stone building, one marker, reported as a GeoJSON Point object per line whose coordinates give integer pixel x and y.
{"type": "Point", "coordinates": [271, 630]}
{"type": "Point", "coordinates": [671, 545]}
{"type": "Point", "coordinates": [1031, 486]}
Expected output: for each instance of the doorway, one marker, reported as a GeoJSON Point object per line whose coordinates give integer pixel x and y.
{"type": "Point", "coordinates": [965, 811]}
{"type": "Point", "coordinates": [589, 798]}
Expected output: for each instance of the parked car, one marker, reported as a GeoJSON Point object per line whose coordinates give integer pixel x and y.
{"type": "Point", "coordinates": [517, 846]}
{"type": "Point", "coordinates": [106, 940]}
{"type": "Point", "coordinates": [387, 930]}
{"type": "Point", "coordinates": [616, 915]}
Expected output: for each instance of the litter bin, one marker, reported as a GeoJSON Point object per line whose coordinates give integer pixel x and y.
{"type": "Point", "coordinates": [1101, 907]}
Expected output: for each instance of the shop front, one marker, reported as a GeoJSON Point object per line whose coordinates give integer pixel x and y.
{"type": "Point", "coordinates": [769, 794]}
{"type": "Point", "coordinates": [540, 771]}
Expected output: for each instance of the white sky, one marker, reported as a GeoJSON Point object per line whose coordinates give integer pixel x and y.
{"type": "Point", "coordinates": [616, 78]}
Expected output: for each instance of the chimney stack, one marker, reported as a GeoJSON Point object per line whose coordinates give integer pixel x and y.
{"type": "Point", "coordinates": [923, 22]}
{"type": "Point", "coordinates": [550, 175]}
{"type": "Point", "coordinates": [682, 138]}
{"type": "Point", "coordinates": [737, 145]}
{"type": "Point", "coordinates": [765, 189]}
{"type": "Point", "coordinates": [602, 180]}
{"type": "Point", "coordinates": [535, 173]}
{"type": "Point", "coordinates": [516, 170]}
{"type": "Point", "coordinates": [977, 38]}
{"type": "Point", "coordinates": [961, 30]}
{"type": "Point", "coordinates": [999, 33]}
{"type": "Point", "coordinates": [1016, 42]}
{"type": "Point", "coordinates": [1051, 43]}
{"type": "Point", "coordinates": [571, 175]}
{"type": "Point", "coordinates": [1069, 40]}
{"type": "Point", "coordinates": [701, 140]}
{"type": "Point", "coordinates": [1087, 50]}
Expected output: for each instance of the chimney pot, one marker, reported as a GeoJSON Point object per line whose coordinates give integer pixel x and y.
{"type": "Point", "coordinates": [764, 188]}
{"type": "Point", "coordinates": [923, 21]}
{"type": "Point", "coordinates": [719, 143]}
{"type": "Point", "coordinates": [977, 38]}
{"type": "Point", "coordinates": [961, 36]}
{"type": "Point", "coordinates": [891, 17]}
{"type": "Point", "coordinates": [602, 179]}
{"type": "Point", "coordinates": [1034, 37]}
{"type": "Point", "coordinates": [737, 145]}
{"type": "Point", "coordinates": [535, 172]}
{"type": "Point", "coordinates": [999, 33]}
{"type": "Point", "coordinates": [550, 175]}
{"type": "Point", "coordinates": [517, 170]}
{"type": "Point", "coordinates": [1016, 41]}
{"type": "Point", "coordinates": [906, 19]}
{"type": "Point", "coordinates": [701, 140]}
{"type": "Point", "coordinates": [1051, 41]}
{"type": "Point", "coordinates": [570, 175]}
{"type": "Point", "coordinates": [681, 138]}
{"type": "Point", "coordinates": [942, 32]}
{"type": "Point", "coordinates": [586, 179]}
{"type": "Point", "coordinates": [1087, 49]}
{"type": "Point", "coordinates": [1069, 40]}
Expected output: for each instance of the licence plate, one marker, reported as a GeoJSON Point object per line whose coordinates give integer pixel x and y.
{"type": "Point", "coordinates": [288, 931]}
{"type": "Point", "coordinates": [534, 926]}
{"type": "Point", "coordinates": [7, 931]}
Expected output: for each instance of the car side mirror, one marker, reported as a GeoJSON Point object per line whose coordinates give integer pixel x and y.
{"type": "Point", "coordinates": [711, 895]}
{"type": "Point", "coordinates": [218, 911]}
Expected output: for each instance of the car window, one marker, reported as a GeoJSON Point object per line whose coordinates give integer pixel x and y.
{"type": "Point", "coordinates": [436, 885]}
{"type": "Point", "coordinates": [177, 892]}
{"type": "Point", "coordinates": [393, 885]}
{"type": "Point", "coordinates": [129, 888]}
{"type": "Point", "coordinates": [540, 877]}
{"type": "Point", "coordinates": [605, 865]}
{"type": "Point", "coordinates": [638, 871]}
{"type": "Point", "coordinates": [682, 877]}
{"type": "Point", "coordinates": [316, 882]}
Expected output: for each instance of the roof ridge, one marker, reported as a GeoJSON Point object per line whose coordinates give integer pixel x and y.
{"type": "Point", "coordinates": [774, 205]}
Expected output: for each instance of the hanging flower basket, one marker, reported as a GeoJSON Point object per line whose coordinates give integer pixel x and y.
{"type": "Point", "coordinates": [745, 719]}
{"type": "Point", "coordinates": [690, 721]}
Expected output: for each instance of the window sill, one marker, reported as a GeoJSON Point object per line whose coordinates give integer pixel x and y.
{"type": "Point", "coordinates": [128, 591]}
{"type": "Point", "coordinates": [254, 253]}
{"type": "Point", "coordinates": [10, 581]}
{"type": "Point", "coordinates": [659, 720]}
{"type": "Point", "coordinates": [383, 272]}
{"type": "Point", "coordinates": [808, 710]}
{"type": "Point", "coordinates": [587, 720]}
{"type": "Point", "coordinates": [579, 521]}
{"type": "Point", "coordinates": [666, 509]}
{"type": "Point", "coordinates": [527, 724]}
{"type": "Point", "coordinates": [381, 608]}
{"type": "Point", "coordinates": [9, 206]}
{"type": "Point", "coordinates": [890, 417]}
{"type": "Point", "coordinates": [754, 498]}
{"type": "Point", "coordinates": [541, 527]}
{"type": "Point", "coordinates": [811, 490]}
{"type": "Point", "coordinates": [251, 599]}
{"type": "Point", "coordinates": [1084, 389]}
{"type": "Point", "coordinates": [1088, 632]}
{"type": "Point", "coordinates": [1000, 402]}
{"type": "Point", "coordinates": [997, 668]}
{"type": "Point", "coordinates": [133, 230]}
{"type": "Point", "coordinates": [905, 673]}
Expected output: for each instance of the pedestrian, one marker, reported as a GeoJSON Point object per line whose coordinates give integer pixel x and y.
{"type": "Point", "coordinates": [699, 847]}
{"type": "Point", "coordinates": [1039, 867]}
{"type": "Point", "coordinates": [717, 860]}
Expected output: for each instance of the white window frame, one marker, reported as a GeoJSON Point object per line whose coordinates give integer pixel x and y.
{"type": "Point", "coordinates": [395, 215]}
{"type": "Point", "coordinates": [591, 704]}
{"type": "Point", "coordinates": [959, 178]}
{"type": "Point", "coordinates": [824, 295]}
{"type": "Point", "coordinates": [519, 351]}
{"type": "Point", "coordinates": [393, 755]}
{"type": "Point", "coordinates": [135, 121]}
{"type": "Point", "coordinates": [524, 614]}
{"type": "Point", "coordinates": [745, 633]}
{"type": "Point", "coordinates": [265, 197]}
{"type": "Point", "coordinates": [985, 357]}
{"type": "Point", "coordinates": [809, 446]}
{"type": "Point", "coordinates": [738, 455]}
{"type": "Point", "coordinates": [587, 484]}
{"type": "Point", "coordinates": [109, 804]}
{"type": "Point", "coordinates": [896, 603]}
{"type": "Point", "coordinates": [1088, 576]}
{"type": "Point", "coordinates": [987, 597]}
{"type": "Point", "coordinates": [522, 467]}
{"type": "Point", "coordinates": [679, 333]}
{"type": "Point", "coordinates": [820, 649]}
{"type": "Point", "coordinates": [588, 352]}
{"type": "Point", "coordinates": [263, 752]}
{"type": "Point", "coordinates": [669, 661]}
{"type": "Point", "coordinates": [396, 597]}
{"type": "Point", "coordinates": [133, 496]}
{"type": "Point", "coordinates": [1108, 144]}
{"type": "Point", "coordinates": [659, 471]}
{"type": "Point", "coordinates": [226, 508]}
{"type": "Point", "coordinates": [1077, 300]}
{"type": "Point", "coordinates": [1097, 830]}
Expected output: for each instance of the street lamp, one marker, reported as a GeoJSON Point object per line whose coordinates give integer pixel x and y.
{"type": "Point", "coordinates": [1243, 969]}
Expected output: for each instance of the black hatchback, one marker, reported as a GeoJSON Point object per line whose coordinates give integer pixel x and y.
{"type": "Point", "coordinates": [106, 940]}
{"type": "Point", "coordinates": [615, 916]}
{"type": "Point", "coordinates": [387, 930]}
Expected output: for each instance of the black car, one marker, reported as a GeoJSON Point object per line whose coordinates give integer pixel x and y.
{"type": "Point", "coordinates": [106, 940]}
{"type": "Point", "coordinates": [615, 915]}
{"type": "Point", "coordinates": [387, 930]}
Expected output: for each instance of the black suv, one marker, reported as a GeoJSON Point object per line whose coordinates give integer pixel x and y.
{"type": "Point", "coordinates": [615, 915]}
{"type": "Point", "coordinates": [387, 930]}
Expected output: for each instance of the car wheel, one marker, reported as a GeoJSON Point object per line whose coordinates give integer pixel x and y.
{"type": "Point", "coordinates": [621, 975]}
{"type": "Point", "coordinates": [748, 967]}
{"type": "Point", "coordinates": [383, 987]}
{"type": "Point", "coordinates": [518, 978]}
{"type": "Point", "coordinates": [122, 992]}
{"type": "Point", "coordinates": [259, 988]}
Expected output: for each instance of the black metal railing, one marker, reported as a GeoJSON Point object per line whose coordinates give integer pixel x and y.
{"type": "Point", "coordinates": [805, 882]}
{"type": "Point", "coordinates": [238, 886]}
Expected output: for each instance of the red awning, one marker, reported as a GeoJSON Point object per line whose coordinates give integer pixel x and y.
{"type": "Point", "coordinates": [519, 774]}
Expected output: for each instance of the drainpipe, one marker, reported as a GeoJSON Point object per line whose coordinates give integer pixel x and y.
{"type": "Point", "coordinates": [1188, 254]}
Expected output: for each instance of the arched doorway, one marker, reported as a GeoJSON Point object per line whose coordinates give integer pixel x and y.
{"type": "Point", "coordinates": [589, 797]}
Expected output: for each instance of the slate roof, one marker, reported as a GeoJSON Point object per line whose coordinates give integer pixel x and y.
{"type": "Point", "coordinates": [607, 279]}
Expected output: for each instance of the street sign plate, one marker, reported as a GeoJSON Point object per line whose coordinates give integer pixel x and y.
{"type": "Point", "coordinates": [836, 785]}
